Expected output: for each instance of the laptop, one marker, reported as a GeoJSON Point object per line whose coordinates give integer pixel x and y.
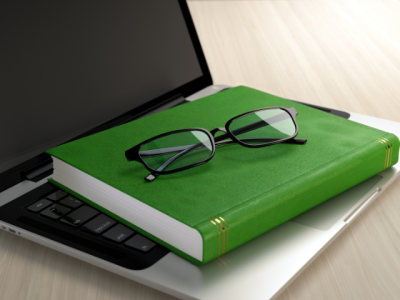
{"type": "Point", "coordinates": [73, 68]}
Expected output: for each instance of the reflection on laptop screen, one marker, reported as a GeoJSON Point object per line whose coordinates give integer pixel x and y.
{"type": "Point", "coordinates": [67, 66]}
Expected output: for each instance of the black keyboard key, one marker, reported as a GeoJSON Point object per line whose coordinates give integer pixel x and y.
{"type": "Point", "coordinates": [118, 233]}
{"type": "Point", "coordinates": [57, 195]}
{"type": "Point", "coordinates": [80, 216]}
{"type": "Point", "coordinates": [55, 211]}
{"type": "Point", "coordinates": [38, 206]}
{"type": "Point", "coordinates": [99, 224]}
{"type": "Point", "coordinates": [141, 243]}
{"type": "Point", "coordinates": [71, 202]}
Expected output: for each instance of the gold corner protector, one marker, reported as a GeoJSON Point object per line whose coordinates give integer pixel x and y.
{"type": "Point", "coordinates": [222, 226]}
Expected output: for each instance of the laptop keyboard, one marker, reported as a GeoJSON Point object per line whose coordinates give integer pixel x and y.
{"type": "Point", "coordinates": [64, 208]}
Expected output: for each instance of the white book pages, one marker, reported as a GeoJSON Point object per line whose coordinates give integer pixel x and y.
{"type": "Point", "coordinates": [162, 226]}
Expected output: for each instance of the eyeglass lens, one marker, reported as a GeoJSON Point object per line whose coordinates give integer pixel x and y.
{"type": "Point", "coordinates": [176, 150]}
{"type": "Point", "coordinates": [263, 127]}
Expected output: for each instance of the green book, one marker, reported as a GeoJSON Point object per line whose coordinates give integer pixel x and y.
{"type": "Point", "coordinates": [206, 211]}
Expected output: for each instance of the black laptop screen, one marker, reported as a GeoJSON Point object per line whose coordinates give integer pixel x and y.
{"type": "Point", "coordinates": [67, 66]}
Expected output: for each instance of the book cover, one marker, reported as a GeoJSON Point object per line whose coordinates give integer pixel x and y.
{"type": "Point", "coordinates": [242, 192]}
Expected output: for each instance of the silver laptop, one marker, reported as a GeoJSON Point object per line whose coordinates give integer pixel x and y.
{"type": "Point", "coordinates": [73, 68]}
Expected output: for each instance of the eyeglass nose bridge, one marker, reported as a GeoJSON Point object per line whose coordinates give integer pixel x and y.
{"type": "Point", "coordinates": [213, 132]}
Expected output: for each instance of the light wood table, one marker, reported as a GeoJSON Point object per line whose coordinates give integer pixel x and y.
{"type": "Point", "coordinates": [343, 54]}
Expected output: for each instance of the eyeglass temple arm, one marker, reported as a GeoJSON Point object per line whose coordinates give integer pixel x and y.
{"type": "Point", "coordinates": [163, 151]}
{"type": "Point", "coordinates": [291, 141]}
{"type": "Point", "coordinates": [188, 148]}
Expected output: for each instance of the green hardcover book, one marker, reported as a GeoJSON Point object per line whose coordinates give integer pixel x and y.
{"type": "Point", "coordinates": [206, 211]}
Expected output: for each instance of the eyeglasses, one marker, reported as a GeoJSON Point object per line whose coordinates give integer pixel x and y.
{"type": "Point", "coordinates": [183, 149]}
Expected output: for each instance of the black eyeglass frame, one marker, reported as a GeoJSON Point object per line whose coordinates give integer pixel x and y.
{"type": "Point", "coordinates": [132, 154]}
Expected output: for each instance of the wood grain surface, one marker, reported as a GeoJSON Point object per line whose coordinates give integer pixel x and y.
{"type": "Point", "coordinates": [336, 53]}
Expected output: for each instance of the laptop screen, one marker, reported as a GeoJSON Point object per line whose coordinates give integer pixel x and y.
{"type": "Point", "coordinates": [68, 66]}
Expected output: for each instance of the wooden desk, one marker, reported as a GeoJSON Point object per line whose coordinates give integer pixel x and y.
{"type": "Point", "coordinates": [337, 53]}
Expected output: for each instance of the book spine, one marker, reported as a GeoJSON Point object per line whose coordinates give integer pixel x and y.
{"type": "Point", "coordinates": [238, 225]}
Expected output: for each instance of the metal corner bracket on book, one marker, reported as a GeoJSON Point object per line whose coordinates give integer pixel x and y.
{"type": "Point", "coordinates": [389, 151]}
{"type": "Point", "coordinates": [223, 233]}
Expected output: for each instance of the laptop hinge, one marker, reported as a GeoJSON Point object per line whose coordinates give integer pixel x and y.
{"type": "Point", "coordinates": [170, 102]}
{"type": "Point", "coordinates": [39, 171]}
